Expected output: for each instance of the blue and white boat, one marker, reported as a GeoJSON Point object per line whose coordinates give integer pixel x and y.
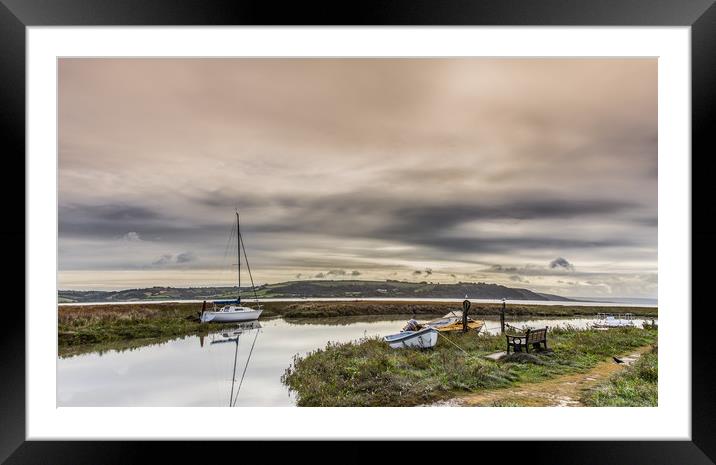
{"type": "Point", "coordinates": [423, 339]}
{"type": "Point", "coordinates": [226, 311]}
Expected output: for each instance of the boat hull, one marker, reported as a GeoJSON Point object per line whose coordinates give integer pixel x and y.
{"type": "Point", "coordinates": [423, 339]}
{"type": "Point", "coordinates": [612, 325]}
{"type": "Point", "coordinates": [453, 322]}
{"type": "Point", "coordinates": [245, 314]}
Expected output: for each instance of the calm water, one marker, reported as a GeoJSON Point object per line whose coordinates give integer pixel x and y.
{"type": "Point", "coordinates": [198, 371]}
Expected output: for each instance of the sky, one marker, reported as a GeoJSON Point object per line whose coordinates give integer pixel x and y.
{"type": "Point", "coordinates": [532, 173]}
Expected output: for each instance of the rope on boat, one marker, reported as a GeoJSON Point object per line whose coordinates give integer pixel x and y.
{"type": "Point", "coordinates": [224, 265]}
{"type": "Point", "coordinates": [466, 353]}
{"type": "Point", "coordinates": [241, 239]}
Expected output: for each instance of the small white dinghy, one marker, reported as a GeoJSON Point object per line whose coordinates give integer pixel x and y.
{"type": "Point", "coordinates": [423, 339]}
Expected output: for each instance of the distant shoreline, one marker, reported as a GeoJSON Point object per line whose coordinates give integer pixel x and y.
{"type": "Point", "coordinates": [565, 303]}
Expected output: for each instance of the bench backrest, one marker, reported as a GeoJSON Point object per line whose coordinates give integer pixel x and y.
{"type": "Point", "coordinates": [535, 335]}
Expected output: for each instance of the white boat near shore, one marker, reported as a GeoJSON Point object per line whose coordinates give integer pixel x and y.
{"type": "Point", "coordinates": [231, 313]}
{"type": "Point", "coordinates": [610, 320]}
{"type": "Point", "coordinates": [423, 339]}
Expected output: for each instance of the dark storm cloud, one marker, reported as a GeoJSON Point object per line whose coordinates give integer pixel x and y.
{"type": "Point", "coordinates": [364, 216]}
{"type": "Point", "coordinates": [359, 215]}
{"type": "Point", "coordinates": [561, 263]}
{"type": "Point", "coordinates": [528, 208]}
{"type": "Point", "coordinates": [507, 244]}
{"type": "Point", "coordinates": [110, 221]}
{"type": "Point", "coordinates": [108, 213]}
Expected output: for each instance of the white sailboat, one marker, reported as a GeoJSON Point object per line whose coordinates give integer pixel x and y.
{"type": "Point", "coordinates": [227, 311]}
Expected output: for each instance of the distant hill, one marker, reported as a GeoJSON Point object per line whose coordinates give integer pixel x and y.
{"type": "Point", "coordinates": [299, 289]}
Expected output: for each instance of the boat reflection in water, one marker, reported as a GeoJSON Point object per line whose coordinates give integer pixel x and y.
{"type": "Point", "coordinates": [231, 335]}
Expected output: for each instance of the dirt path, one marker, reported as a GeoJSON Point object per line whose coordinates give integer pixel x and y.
{"type": "Point", "coordinates": [563, 391]}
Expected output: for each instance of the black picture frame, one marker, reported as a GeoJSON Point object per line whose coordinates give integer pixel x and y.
{"type": "Point", "coordinates": [700, 15]}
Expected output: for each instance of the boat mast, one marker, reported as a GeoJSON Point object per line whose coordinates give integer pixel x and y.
{"type": "Point", "coordinates": [248, 268]}
{"type": "Point", "coordinates": [238, 253]}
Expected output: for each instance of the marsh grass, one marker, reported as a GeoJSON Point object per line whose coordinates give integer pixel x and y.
{"type": "Point", "coordinates": [636, 386]}
{"type": "Point", "coordinates": [369, 373]}
{"type": "Point", "coordinates": [99, 328]}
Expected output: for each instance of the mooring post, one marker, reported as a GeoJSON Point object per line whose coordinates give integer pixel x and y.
{"type": "Point", "coordinates": [465, 308]}
{"type": "Point", "coordinates": [502, 317]}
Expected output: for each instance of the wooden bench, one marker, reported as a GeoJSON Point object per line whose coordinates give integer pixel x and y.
{"type": "Point", "coordinates": [533, 337]}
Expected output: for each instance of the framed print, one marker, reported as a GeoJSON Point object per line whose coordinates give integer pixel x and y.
{"type": "Point", "coordinates": [249, 223]}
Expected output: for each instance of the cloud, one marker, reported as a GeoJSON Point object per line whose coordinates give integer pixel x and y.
{"type": "Point", "coordinates": [561, 263]}
{"type": "Point", "coordinates": [320, 275]}
{"type": "Point", "coordinates": [428, 271]}
{"type": "Point", "coordinates": [336, 273]}
{"type": "Point", "coordinates": [355, 273]}
{"type": "Point", "coordinates": [298, 276]}
{"type": "Point", "coordinates": [185, 257]}
{"type": "Point", "coordinates": [417, 272]}
{"type": "Point", "coordinates": [501, 269]}
{"type": "Point", "coordinates": [131, 237]}
{"type": "Point", "coordinates": [555, 266]}
{"type": "Point", "coordinates": [518, 279]}
{"type": "Point", "coordinates": [163, 260]}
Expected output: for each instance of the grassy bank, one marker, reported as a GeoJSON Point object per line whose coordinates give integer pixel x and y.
{"type": "Point", "coordinates": [94, 327]}
{"type": "Point", "coordinates": [369, 373]}
{"type": "Point", "coordinates": [97, 328]}
{"type": "Point", "coordinates": [636, 386]}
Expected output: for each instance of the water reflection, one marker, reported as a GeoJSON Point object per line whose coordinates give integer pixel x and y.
{"type": "Point", "coordinates": [232, 336]}
{"type": "Point", "coordinates": [239, 367]}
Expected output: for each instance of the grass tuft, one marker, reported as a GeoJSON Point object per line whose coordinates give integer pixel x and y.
{"type": "Point", "coordinates": [636, 386]}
